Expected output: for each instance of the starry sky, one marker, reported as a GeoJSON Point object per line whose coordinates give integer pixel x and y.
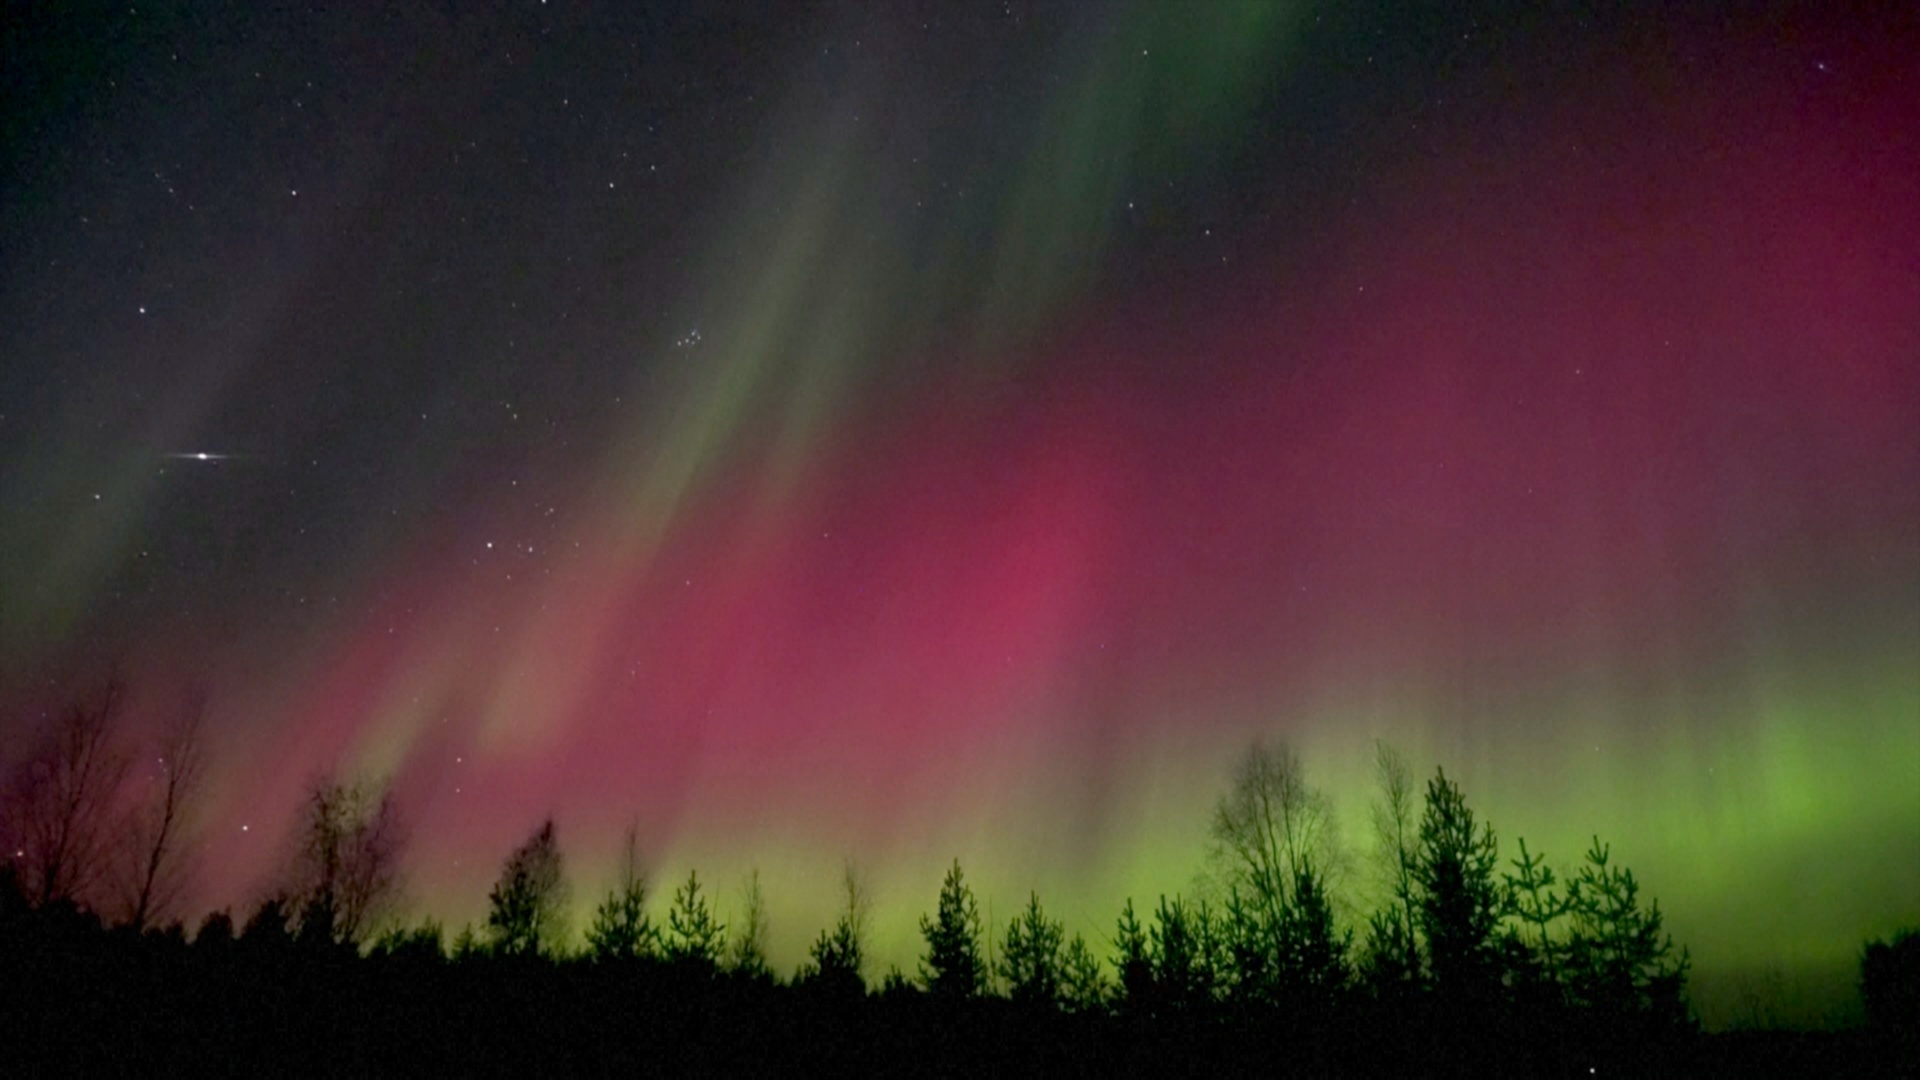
{"type": "Point", "coordinates": [820, 431]}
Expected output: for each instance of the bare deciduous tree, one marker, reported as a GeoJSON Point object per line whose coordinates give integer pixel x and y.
{"type": "Point", "coordinates": [1270, 828]}
{"type": "Point", "coordinates": [1396, 829]}
{"type": "Point", "coordinates": [61, 803]}
{"type": "Point", "coordinates": [346, 860]}
{"type": "Point", "coordinates": [747, 954]}
{"type": "Point", "coordinates": [154, 852]}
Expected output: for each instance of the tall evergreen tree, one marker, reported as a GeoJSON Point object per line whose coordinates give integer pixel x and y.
{"type": "Point", "coordinates": [1184, 969]}
{"type": "Point", "coordinates": [1030, 960]}
{"type": "Point", "coordinates": [693, 936]}
{"type": "Point", "coordinates": [1133, 957]}
{"type": "Point", "coordinates": [1618, 959]}
{"type": "Point", "coordinates": [1084, 987]}
{"type": "Point", "coordinates": [1313, 955]}
{"type": "Point", "coordinates": [952, 967]}
{"type": "Point", "coordinates": [1461, 903]}
{"type": "Point", "coordinates": [1536, 904]}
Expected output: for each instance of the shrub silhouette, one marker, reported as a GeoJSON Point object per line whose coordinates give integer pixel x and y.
{"type": "Point", "coordinates": [1890, 986]}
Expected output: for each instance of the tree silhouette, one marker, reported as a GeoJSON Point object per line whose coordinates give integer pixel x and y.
{"type": "Point", "coordinates": [1084, 986]}
{"type": "Point", "coordinates": [1393, 945]}
{"type": "Point", "coordinates": [1030, 959]}
{"type": "Point", "coordinates": [1268, 827]}
{"type": "Point", "coordinates": [747, 952]}
{"type": "Point", "coordinates": [346, 861]}
{"type": "Point", "coordinates": [1890, 987]}
{"type": "Point", "coordinates": [693, 937]}
{"type": "Point", "coordinates": [837, 958]}
{"type": "Point", "coordinates": [1133, 957]}
{"type": "Point", "coordinates": [1618, 960]}
{"type": "Point", "coordinates": [1185, 967]}
{"type": "Point", "coordinates": [61, 802]}
{"type": "Point", "coordinates": [1536, 904]}
{"type": "Point", "coordinates": [1460, 902]}
{"type": "Point", "coordinates": [527, 906]}
{"type": "Point", "coordinates": [952, 968]}
{"type": "Point", "coordinates": [154, 846]}
{"type": "Point", "coordinates": [621, 928]}
{"type": "Point", "coordinates": [1313, 955]}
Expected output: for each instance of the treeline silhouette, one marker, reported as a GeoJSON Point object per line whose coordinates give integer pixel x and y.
{"type": "Point", "coordinates": [1468, 963]}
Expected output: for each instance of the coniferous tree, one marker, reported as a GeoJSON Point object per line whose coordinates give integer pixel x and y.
{"type": "Point", "coordinates": [527, 911]}
{"type": "Point", "coordinates": [621, 928]}
{"type": "Point", "coordinates": [1313, 955]}
{"type": "Point", "coordinates": [1252, 960]}
{"type": "Point", "coordinates": [1133, 957]}
{"type": "Point", "coordinates": [693, 936]}
{"type": "Point", "coordinates": [1084, 987]}
{"type": "Point", "coordinates": [1030, 960]}
{"type": "Point", "coordinates": [837, 959]}
{"type": "Point", "coordinates": [1183, 961]}
{"type": "Point", "coordinates": [1536, 905]}
{"type": "Point", "coordinates": [1389, 960]}
{"type": "Point", "coordinates": [1618, 959]}
{"type": "Point", "coordinates": [953, 968]}
{"type": "Point", "coordinates": [1460, 901]}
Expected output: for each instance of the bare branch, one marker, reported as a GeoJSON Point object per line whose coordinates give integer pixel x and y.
{"type": "Point", "coordinates": [155, 862]}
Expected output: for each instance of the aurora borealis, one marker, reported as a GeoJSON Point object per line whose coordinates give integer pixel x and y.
{"type": "Point", "coordinates": [896, 432]}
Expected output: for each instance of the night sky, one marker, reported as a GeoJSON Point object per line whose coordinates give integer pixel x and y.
{"type": "Point", "coordinates": [894, 431]}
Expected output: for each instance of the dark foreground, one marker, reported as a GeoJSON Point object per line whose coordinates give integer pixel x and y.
{"type": "Point", "coordinates": [137, 1007]}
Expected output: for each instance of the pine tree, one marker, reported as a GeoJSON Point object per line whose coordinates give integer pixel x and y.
{"type": "Point", "coordinates": [1030, 961]}
{"type": "Point", "coordinates": [621, 928]}
{"type": "Point", "coordinates": [1313, 955]}
{"type": "Point", "coordinates": [952, 967]}
{"type": "Point", "coordinates": [1618, 960]}
{"type": "Point", "coordinates": [837, 959]}
{"type": "Point", "coordinates": [1133, 956]}
{"type": "Point", "coordinates": [1084, 987]}
{"type": "Point", "coordinates": [1460, 902]}
{"type": "Point", "coordinates": [1251, 949]}
{"type": "Point", "coordinates": [693, 937]}
{"type": "Point", "coordinates": [1536, 906]}
{"type": "Point", "coordinates": [1184, 972]}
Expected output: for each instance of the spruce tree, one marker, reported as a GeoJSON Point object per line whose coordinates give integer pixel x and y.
{"type": "Point", "coordinates": [1618, 959]}
{"type": "Point", "coordinates": [952, 967]}
{"type": "Point", "coordinates": [693, 937]}
{"type": "Point", "coordinates": [1460, 901]}
{"type": "Point", "coordinates": [1030, 962]}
